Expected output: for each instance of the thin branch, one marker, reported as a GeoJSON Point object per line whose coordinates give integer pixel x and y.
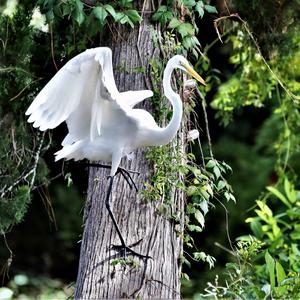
{"type": "Point", "coordinates": [227, 226]}
{"type": "Point", "coordinates": [203, 103]}
{"type": "Point", "coordinates": [6, 266]}
{"type": "Point", "coordinates": [4, 43]}
{"type": "Point", "coordinates": [52, 46]}
{"type": "Point", "coordinates": [20, 93]}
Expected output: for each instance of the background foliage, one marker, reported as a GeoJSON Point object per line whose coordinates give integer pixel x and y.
{"type": "Point", "coordinates": [252, 104]}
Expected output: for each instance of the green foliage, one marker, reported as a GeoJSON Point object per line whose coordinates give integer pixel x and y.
{"type": "Point", "coordinates": [266, 75]}
{"type": "Point", "coordinates": [14, 208]}
{"type": "Point", "coordinates": [129, 261]}
{"type": "Point", "coordinates": [23, 286]}
{"type": "Point", "coordinates": [240, 276]}
{"type": "Point", "coordinates": [85, 15]}
{"type": "Point", "coordinates": [20, 166]}
{"type": "Point", "coordinates": [181, 19]}
{"type": "Point", "coordinates": [278, 227]}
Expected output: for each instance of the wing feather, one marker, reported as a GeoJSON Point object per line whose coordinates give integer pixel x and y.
{"type": "Point", "coordinates": [131, 98]}
{"type": "Point", "coordinates": [75, 95]}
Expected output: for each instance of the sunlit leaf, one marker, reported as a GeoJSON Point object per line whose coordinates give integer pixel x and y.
{"type": "Point", "coordinates": [279, 195]}
{"type": "Point", "coordinates": [199, 217]}
{"type": "Point", "coordinates": [270, 267]}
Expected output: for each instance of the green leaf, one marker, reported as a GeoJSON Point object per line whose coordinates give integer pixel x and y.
{"type": "Point", "coordinates": [123, 19]}
{"type": "Point", "coordinates": [256, 228]}
{"type": "Point", "coordinates": [264, 208]}
{"type": "Point", "coordinates": [280, 273]}
{"type": "Point", "coordinates": [192, 190]}
{"type": "Point", "coordinates": [185, 29]}
{"type": "Point", "coordinates": [188, 3]}
{"type": "Point", "coordinates": [185, 276]}
{"type": "Point", "coordinates": [110, 9]}
{"type": "Point", "coordinates": [187, 42]}
{"type": "Point", "coordinates": [100, 13]}
{"type": "Point", "coordinates": [199, 217]}
{"type": "Point", "coordinates": [158, 14]}
{"type": "Point", "coordinates": [194, 228]}
{"type": "Point", "coordinates": [211, 163]}
{"type": "Point", "coordinates": [217, 171]}
{"type": "Point", "coordinates": [209, 189]}
{"type": "Point", "coordinates": [174, 23]}
{"type": "Point", "coordinates": [289, 190]}
{"type": "Point", "coordinates": [204, 206]}
{"type": "Point", "coordinates": [49, 15]}
{"type": "Point", "coordinates": [221, 185]}
{"type": "Point", "coordinates": [271, 268]}
{"type": "Point", "coordinates": [295, 235]}
{"type": "Point", "coordinates": [78, 13]}
{"type": "Point", "coordinates": [232, 198]}
{"type": "Point", "coordinates": [279, 196]}
{"type": "Point", "coordinates": [119, 16]}
{"type": "Point", "coordinates": [185, 261]}
{"type": "Point", "coordinates": [227, 196]}
{"type": "Point", "coordinates": [210, 9]}
{"type": "Point", "coordinates": [58, 10]}
{"type": "Point", "coordinates": [200, 9]}
{"type": "Point", "coordinates": [133, 15]}
{"type": "Point", "coordinates": [66, 10]}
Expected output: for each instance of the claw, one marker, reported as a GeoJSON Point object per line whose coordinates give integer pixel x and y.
{"type": "Point", "coordinates": [124, 250]}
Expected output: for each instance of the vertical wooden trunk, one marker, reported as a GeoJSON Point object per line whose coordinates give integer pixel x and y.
{"type": "Point", "coordinates": [138, 220]}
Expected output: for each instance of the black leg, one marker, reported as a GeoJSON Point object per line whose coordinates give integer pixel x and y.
{"type": "Point", "coordinates": [123, 248]}
{"type": "Point", "coordinates": [107, 204]}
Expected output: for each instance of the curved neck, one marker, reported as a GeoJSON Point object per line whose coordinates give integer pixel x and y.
{"type": "Point", "coordinates": [165, 135]}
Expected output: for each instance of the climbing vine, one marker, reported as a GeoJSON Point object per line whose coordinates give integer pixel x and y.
{"type": "Point", "coordinates": [174, 168]}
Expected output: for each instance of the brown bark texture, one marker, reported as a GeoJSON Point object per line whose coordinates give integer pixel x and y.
{"type": "Point", "coordinates": [138, 219]}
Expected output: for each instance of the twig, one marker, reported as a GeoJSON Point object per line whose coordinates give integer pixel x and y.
{"type": "Point", "coordinates": [20, 93]}
{"type": "Point", "coordinates": [4, 43]}
{"type": "Point", "coordinates": [225, 249]}
{"type": "Point", "coordinates": [52, 46]}
{"type": "Point", "coordinates": [226, 5]}
{"type": "Point", "coordinates": [227, 226]}
{"type": "Point", "coordinates": [6, 266]}
{"type": "Point", "coordinates": [203, 103]}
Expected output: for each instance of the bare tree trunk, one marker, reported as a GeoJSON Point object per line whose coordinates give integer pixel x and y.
{"type": "Point", "coordinates": [157, 278]}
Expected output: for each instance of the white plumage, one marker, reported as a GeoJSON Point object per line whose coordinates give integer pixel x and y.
{"type": "Point", "coordinates": [102, 123]}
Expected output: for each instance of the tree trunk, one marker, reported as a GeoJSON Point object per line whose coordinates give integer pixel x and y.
{"type": "Point", "coordinates": [152, 278]}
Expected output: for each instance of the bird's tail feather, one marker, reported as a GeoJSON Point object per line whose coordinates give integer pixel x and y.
{"type": "Point", "coordinates": [73, 151]}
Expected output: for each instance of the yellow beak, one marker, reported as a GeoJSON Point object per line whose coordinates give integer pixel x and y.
{"type": "Point", "coordinates": [193, 73]}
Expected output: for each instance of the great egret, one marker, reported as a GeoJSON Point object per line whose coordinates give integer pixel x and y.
{"type": "Point", "coordinates": [102, 122]}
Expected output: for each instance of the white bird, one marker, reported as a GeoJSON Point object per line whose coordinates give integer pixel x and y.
{"type": "Point", "coordinates": [102, 122]}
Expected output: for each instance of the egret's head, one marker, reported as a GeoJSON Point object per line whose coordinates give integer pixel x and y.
{"type": "Point", "coordinates": [182, 63]}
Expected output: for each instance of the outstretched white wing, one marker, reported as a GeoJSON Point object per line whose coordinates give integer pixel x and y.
{"type": "Point", "coordinates": [77, 93]}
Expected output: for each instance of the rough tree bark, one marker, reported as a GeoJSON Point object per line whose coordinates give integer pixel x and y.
{"type": "Point", "coordinates": [157, 278]}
